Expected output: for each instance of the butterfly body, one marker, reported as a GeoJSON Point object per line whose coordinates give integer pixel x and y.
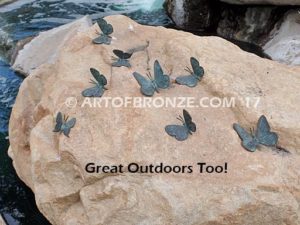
{"type": "Point", "coordinates": [121, 62]}
{"type": "Point", "coordinates": [99, 85]}
{"type": "Point", "coordinates": [195, 75]}
{"type": "Point", "coordinates": [181, 132]}
{"type": "Point", "coordinates": [102, 39]}
{"type": "Point", "coordinates": [63, 125]}
{"type": "Point", "coordinates": [154, 84]}
{"type": "Point", "coordinates": [151, 85]}
{"type": "Point", "coordinates": [107, 30]}
{"type": "Point", "coordinates": [122, 59]}
{"type": "Point", "coordinates": [262, 136]}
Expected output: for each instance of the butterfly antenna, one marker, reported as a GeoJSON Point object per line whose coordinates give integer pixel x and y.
{"type": "Point", "coordinates": [67, 117]}
{"type": "Point", "coordinates": [180, 118]}
{"type": "Point", "coordinates": [149, 75]}
{"type": "Point", "coordinates": [187, 69]}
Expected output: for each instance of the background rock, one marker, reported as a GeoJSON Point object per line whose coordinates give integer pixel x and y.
{"type": "Point", "coordinates": [31, 56]}
{"type": "Point", "coordinates": [249, 24]}
{"type": "Point", "coordinates": [285, 43]}
{"type": "Point", "coordinates": [268, 2]}
{"type": "Point", "coordinates": [6, 45]}
{"type": "Point", "coordinates": [255, 25]}
{"type": "Point", "coordinates": [193, 15]}
{"type": "Point", "coordinates": [257, 184]}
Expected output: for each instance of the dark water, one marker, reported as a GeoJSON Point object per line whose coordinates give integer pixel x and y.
{"type": "Point", "coordinates": [39, 15]}
{"type": "Point", "coordinates": [9, 85]}
{"type": "Point", "coordinates": [18, 21]}
{"type": "Point", "coordinates": [17, 204]}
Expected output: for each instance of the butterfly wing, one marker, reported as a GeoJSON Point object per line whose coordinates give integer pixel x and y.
{"type": "Point", "coordinates": [102, 80]}
{"type": "Point", "coordinates": [121, 62]}
{"type": "Point", "coordinates": [96, 91]}
{"type": "Point", "coordinates": [71, 123]}
{"type": "Point", "coordinates": [263, 133]}
{"type": "Point", "coordinates": [106, 28]}
{"type": "Point", "coordinates": [146, 85]}
{"type": "Point", "coordinates": [190, 80]}
{"type": "Point", "coordinates": [99, 77]}
{"type": "Point", "coordinates": [102, 39]}
{"type": "Point", "coordinates": [68, 126]}
{"type": "Point", "coordinates": [188, 121]}
{"type": "Point", "coordinates": [121, 54]}
{"type": "Point", "coordinates": [180, 132]}
{"type": "Point", "coordinates": [162, 81]}
{"type": "Point", "coordinates": [59, 122]}
{"type": "Point", "coordinates": [198, 70]}
{"type": "Point", "coordinates": [248, 142]}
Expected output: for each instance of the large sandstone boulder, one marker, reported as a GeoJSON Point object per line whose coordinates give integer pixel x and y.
{"type": "Point", "coordinates": [258, 188]}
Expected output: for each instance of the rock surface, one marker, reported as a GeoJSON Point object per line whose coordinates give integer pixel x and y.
{"type": "Point", "coordinates": [248, 24]}
{"type": "Point", "coordinates": [1, 221]}
{"type": "Point", "coordinates": [31, 56]}
{"type": "Point", "coordinates": [257, 184]}
{"type": "Point", "coordinates": [5, 2]}
{"type": "Point", "coordinates": [285, 44]}
{"type": "Point", "coordinates": [193, 15]}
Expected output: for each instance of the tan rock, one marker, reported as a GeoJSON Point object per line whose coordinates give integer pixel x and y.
{"type": "Point", "coordinates": [19, 46]}
{"type": "Point", "coordinates": [259, 188]}
{"type": "Point", "coordinates": [5, 2]}
{"type": "Point", "coordinates": [31, 56]}
{"type": "Point", "coordinates": [1, 221]}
